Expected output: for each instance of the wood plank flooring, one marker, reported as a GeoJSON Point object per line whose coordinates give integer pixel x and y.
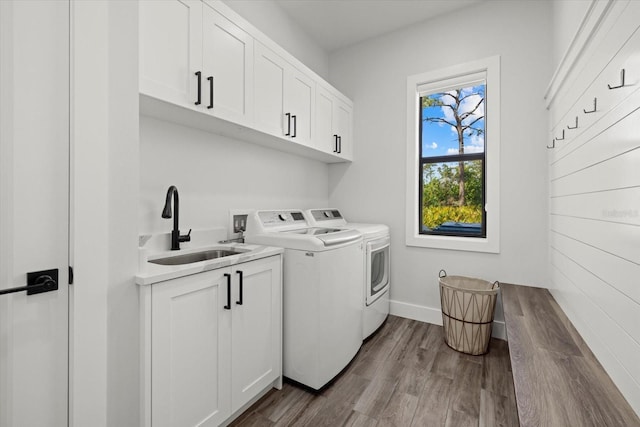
{"type": "Point", "coordinates": [558, 380]}
{"type": "Point", "coordinates": [404, 376]}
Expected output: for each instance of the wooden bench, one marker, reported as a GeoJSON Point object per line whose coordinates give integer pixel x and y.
{"type": "Point", "coordinates": [558, 381]}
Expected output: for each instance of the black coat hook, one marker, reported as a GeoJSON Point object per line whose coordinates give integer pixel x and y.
{"type": "Point", "coordinates": [574, 127]}
{"type": "Point", "coordinates": [560, 139]}
{"type": "Point", "coordinates": [595, 105]}
{"type": "Point", "coordinates": [553, 144]}
{"type": "Point", "coordinates": [621, 79]}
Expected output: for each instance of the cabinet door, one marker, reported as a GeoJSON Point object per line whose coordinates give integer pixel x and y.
{"type": "Point", "coordinates": [299, 102]}
{"type": "Point", "coordinates": [227, 60]}
{"type": "Point", "coordinates": [190, 373]}
{"type": "Point", "coordinates": [257, 328]}
{"type": "Point", "coordinates": [344, 129]}
{"type": "Point", "coordinates": [270, 73]}
{"type": "Point", "coordinates": [325, 127]}
{"type": "Point", "coordinates": [170, 50]}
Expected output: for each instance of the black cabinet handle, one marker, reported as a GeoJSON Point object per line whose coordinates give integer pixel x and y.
{"type": "Point", "coordinates": [199, 74]}
{"type": "Point", "coordinates": [210, 106]}
{"type": "Point", "coordinates": [239, 302]}
{"type": "Point", "coordinates": [295, 126]}
{"type": "Point", "coordinates": [335, 150]}
{"type": "Point", "coordinates": [339, 145]}
{"type": "Point", "coordinates": [288, 124]}
{"type": "Point", "coordinates": [228, 306]}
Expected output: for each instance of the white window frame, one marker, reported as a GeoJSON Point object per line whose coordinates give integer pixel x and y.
{"type": "Point", "coordinates": [438, 80]}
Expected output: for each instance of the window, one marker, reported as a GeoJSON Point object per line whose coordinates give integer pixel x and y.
{"type": "Point", "coordinates": [453, 156]}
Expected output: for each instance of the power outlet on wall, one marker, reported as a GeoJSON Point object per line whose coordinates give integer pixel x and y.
{"type": "Point", "coordinates": [238, 221]}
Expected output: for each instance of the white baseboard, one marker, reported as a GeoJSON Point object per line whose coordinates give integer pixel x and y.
{"type": "Point", "coordinates": [432, 315]}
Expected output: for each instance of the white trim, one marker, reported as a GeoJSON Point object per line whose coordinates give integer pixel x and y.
{"type": "Point", "coordinates": [432, 315]}
{"type": "Point", "coordinates": [491, 244]}
{"type": "Point", "coordinates": [588, 28]}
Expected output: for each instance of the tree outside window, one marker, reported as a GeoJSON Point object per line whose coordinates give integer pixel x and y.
{"type": "Point", "coordinates": [452, 160]}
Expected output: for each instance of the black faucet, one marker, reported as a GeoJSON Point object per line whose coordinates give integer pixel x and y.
{"type": "Point", "coordinates": [176, 238]}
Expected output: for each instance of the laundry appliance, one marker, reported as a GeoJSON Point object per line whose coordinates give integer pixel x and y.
{"type": "Point", "coordinates": [376, 264]}
{"type": "Point", "coordinates": [322, 293]}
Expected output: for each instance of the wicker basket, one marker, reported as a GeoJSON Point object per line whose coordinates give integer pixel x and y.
{"type": "Point", "coordinates": [468, 305]}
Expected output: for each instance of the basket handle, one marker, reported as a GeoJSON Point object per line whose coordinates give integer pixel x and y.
{"type": "Point", "coordinates": [495, 284]}
{"type": "Point", "coordinates": [442, 274]}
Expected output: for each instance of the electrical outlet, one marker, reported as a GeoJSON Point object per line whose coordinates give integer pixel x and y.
{"type": "Point", "coordinates": [239, 223]}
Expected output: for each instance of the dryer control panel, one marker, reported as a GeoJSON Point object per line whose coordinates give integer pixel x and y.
{"type": "Point", "coordinates": [325, 214]}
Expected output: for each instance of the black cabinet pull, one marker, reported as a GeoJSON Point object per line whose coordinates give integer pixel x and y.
{"type": "Point", "coordinates": [239, 302]}
{"type": "Point", "coordinates": [295, 126]}
{"type": "Point", "coordinates": [288, 124]}
{"type": "Point", "coordinates": [335, 150]}
{"type": "Point", "coordinates": [210, 106]}
{"type": "Point", "coordinates": [199, 74]}
{"type": "Point", "coordinates": [228, 306]}
{"type": "Point", "coordinates": [339, 144]}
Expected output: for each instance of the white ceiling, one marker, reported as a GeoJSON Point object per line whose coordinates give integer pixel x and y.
{"type": "Point", "coordinates": [334, 24]}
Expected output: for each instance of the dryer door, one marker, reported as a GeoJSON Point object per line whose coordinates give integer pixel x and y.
{"type": "Point", "coordinates": [377, 269]}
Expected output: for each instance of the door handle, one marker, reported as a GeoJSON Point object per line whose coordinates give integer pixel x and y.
{"type": "Point", "coordinates": [335, 150]}
{"type": "Point", "coordinates": [228, 306]}
{"type": "Point", "coordinates": [199, 74]}
{"type": "Point", "coordinates": [239, 302]}
{"type": "Point", "coordinates": [37, 283]}
{"type": "Point", "coordinates": [339, 145]}
{"type": "Point", "coordinates": [210, 106]}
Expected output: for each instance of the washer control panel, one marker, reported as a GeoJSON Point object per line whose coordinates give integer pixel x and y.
{"type": "Point", "coordinates": [282, 218]}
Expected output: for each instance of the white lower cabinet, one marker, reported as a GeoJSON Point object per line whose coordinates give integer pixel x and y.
{"type": "Point", "coordinates": [212, 343]}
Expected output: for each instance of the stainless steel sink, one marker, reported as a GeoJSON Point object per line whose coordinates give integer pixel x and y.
{"type": "Point", "coordinates": [197, 256]}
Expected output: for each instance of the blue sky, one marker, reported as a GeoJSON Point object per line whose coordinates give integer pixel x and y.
{"type": "Point", "coordinates": [440, 139]}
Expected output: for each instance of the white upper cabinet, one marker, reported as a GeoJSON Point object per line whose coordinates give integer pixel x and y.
{"type": "Point", "coordinates": [269, 82]}
{"type": "Point", "coordinates": [333, 124]}
{"type": "Point", "coordinates": [202, 56]}
{"type": "Point", "coordinates": [227, 67]}
{"type": "Point", "coordinates": [170, 50]}
{"type": "Point", "coordinates": [284, 97]}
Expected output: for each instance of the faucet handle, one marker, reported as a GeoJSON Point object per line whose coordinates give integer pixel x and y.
{"type": "Point", "coordinates": [185, 237]}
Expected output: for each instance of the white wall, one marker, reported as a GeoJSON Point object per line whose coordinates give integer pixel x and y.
{"type": "Point", "coordinates": [567, 17]}
{"type": "Point", "coordinates": [269, 18]}
{"type": "Point", "coordinates": [594, 188]}
{"type": "Point", "coordinates": [214, 174]}
{"type": "Point", "coordinates": [104, 191]}
{"type": "Point", "coordinates": [372, 189]}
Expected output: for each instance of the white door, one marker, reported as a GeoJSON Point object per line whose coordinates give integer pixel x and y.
{"type": "Point", "coordinates": [299, 99]}
{"type": "Point", "coordinates": [34, 210]}
{"type": "Point", "coordinates": [344, 122]}
{"type": "Point", "coordinates": [190, 336]}
{"type": "Point", "coordinates": [325, 128]}
{"type": "Point", "coordinates": [256, 328]}
{"type": "Point", "coordinates": [171, 51]}
{"type": "Point", "coordinates": [227, 62]}
{"type": "Point", "coordinates": [270, 73]}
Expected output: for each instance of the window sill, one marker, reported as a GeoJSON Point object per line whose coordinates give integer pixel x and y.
{"type": "Point", "coordinates": [471, 244]}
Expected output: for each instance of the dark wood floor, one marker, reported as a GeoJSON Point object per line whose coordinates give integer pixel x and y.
{"type": "Point", "coordinates": [404, 376]}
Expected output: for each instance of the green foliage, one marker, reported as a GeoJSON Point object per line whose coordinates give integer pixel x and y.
{"type": "Point", "coordinates": [434, 216]}
{"type": "Point", "coordinates": [440, 193]}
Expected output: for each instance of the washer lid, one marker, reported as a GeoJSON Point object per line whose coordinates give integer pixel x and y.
{"type": "Point", "coordinates": [328, 236]}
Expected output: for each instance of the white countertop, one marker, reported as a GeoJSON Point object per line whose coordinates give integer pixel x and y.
{"type": "Point", "coordinates": [150, 273]}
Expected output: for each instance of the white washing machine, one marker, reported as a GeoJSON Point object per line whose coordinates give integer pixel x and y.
{"type": "Point", "coordinates": [376, 264]}
{"type": "Point", "coordinates": [322, 306]}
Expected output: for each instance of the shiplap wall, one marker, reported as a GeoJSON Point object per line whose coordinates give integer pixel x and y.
{"type": "Point", "coordinates": [594, 189]}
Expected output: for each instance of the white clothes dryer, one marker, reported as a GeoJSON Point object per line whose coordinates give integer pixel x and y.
{"type": "Point", "coordinates": [322, 307]}
{"type": "Point", "coordinates": [376, 264]}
